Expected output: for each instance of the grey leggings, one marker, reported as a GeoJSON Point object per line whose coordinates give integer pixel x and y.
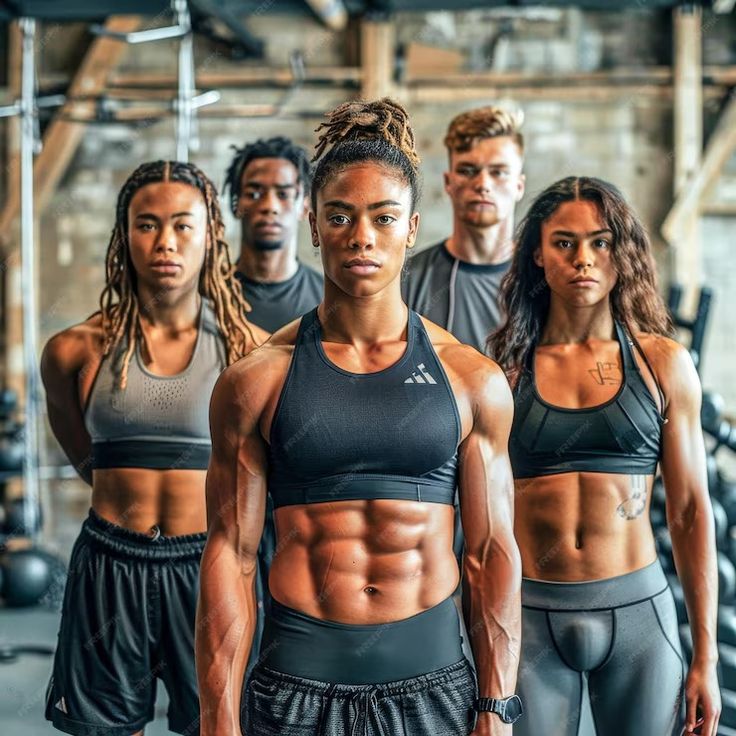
{"type": "Point", "coordinates": [619, 636]}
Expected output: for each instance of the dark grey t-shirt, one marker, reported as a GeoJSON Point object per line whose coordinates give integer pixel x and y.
{"type": "Point", "coordinates": [467, 305]}
{"type": "Point", "coordinates": [277, 304]}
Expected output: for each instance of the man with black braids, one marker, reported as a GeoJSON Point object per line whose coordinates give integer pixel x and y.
{"type": "Point", "coordinates": [268, 183]}
{"type": "Point", "coordinates": [359, 421]}
{"type": "Point", "coordinates": [456, 283]}
{"type": "Point", "coordinates": [128, 391]}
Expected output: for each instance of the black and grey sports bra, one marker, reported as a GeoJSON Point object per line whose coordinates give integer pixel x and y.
{"type": "Point", "coordinates": [621, 435]}
{"type": "Point", "coordinates": [158, 422]}
{"type": "Point", "coordinates": [337, 435]}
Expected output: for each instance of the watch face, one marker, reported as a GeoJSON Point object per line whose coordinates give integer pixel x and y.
{"type": "Point", "coordinates": [512, 709]}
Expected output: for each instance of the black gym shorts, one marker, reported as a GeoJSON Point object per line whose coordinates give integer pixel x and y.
{"type": "Point", "coordinates": [439, 703]}
{"type": "Point", "coordinates": [128, 620]}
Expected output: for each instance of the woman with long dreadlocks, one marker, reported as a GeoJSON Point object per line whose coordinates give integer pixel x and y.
{"type": "Point", "coordinates": [602, 396]}
{"type": "Point", "coordinates": [364, 419]}
{"type": "Point", "coordinates": [128, 393]}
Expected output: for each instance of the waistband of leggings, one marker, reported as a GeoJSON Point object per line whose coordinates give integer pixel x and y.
{"type": "Point", "coordinates": [591, 595]}
{"type": "Point", "coordinates": [307, 647]}
{"type": "Point", "coordinates": [123, 542]}
{"type": "Point", "coordinates": [446, 675]}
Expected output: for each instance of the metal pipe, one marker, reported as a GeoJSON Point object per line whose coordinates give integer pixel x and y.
{"type": "Point", "coordinates": [135, 37]}
{"type": "Point", "coordinates": [28, 281]}
{"type": "Point", "coordinates": [185, 90]}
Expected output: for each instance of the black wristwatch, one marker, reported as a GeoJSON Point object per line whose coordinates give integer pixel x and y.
{"type": "Point", "coordinates": [508, 709]}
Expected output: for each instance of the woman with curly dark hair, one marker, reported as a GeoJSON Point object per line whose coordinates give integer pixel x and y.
{"type": "Point", "coordinates": [128, 394]}
{"type": "Point", "coordinates": [602, 396]}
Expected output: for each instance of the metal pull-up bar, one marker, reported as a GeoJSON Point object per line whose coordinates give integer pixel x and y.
{"type": "Point", "coordinates": [185, 104]}
{"type": "Point", "coordinates": [26, 108]}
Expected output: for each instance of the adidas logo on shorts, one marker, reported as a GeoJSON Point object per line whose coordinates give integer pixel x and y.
{"type": "Point", "coordinates": [61, 705]}
{"type": "Point", "coordinates": [422, 377]}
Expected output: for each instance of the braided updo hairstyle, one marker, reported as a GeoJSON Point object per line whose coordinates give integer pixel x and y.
{"type": "Point", "coordinates": [119, 303]}
{"type": "Point", "coordinates": [359, 131]}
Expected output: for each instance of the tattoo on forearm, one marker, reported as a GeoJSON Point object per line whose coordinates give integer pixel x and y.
{"type": "Point", "coordinates": [633, 507]}
{"type": "Point", "coordinates": [606, 373]}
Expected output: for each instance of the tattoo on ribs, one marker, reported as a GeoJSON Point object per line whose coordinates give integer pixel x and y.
{"type": "Point", "coordinates": [606, 374]}
{"type": "Point", "coordinates": [633, 507]}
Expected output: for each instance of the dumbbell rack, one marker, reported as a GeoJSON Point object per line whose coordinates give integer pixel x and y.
{"type": "Point", "coordinates": [15, 524]}
{"type": "Point", "coordinates": [696, 327]}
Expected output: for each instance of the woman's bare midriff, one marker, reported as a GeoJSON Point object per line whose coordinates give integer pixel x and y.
{"type": "Point", "coordinates": [583, 526]}
{"type": "Point", "coordinates": [140, 498]}
{"type": "Point", "coordinates": [363, 562]}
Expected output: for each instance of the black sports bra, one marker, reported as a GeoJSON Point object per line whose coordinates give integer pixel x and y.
{"type": "Point", "coordinates": [621, 435]}
{"type": "Point", "coordinates": [336, 435]}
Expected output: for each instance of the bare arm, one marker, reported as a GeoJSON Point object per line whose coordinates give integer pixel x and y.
{"type": "Point", "coordinates": [61, 362]}
{"type": "Point", "coordinates": [491, 564]}
{"type": "Point", "coordinates": [236, 502]}
{"type": "Point", "coordinates": [690, 520]}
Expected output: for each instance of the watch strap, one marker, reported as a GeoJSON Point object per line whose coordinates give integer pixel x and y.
{"type": "Point", "coordinates": [499, 706]}
{"type": "Point", "coordinates": [490, 705]}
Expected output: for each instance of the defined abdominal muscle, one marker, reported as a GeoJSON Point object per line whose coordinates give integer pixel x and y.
{"type": "Point", "coordinates": [363, 561]}
{"type": "Point", "coordinates": [583, 526]}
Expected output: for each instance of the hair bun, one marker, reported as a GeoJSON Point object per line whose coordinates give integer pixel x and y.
{"type": "Point", "coordinates": [361, 120]}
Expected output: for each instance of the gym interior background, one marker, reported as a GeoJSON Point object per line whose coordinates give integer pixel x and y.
{"type": "Point", "coordinates": [641, 93]}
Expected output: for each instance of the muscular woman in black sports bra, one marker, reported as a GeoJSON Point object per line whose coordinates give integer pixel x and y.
{"type": "Point", "coordinates": [359, 420]}
{"type": "Point", "coordinates": [602, 396]}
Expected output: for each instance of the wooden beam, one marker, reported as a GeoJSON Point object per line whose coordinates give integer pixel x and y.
{"type": "Point", "coordinates": [650, 75]}
{"type": "Point", "coordinates": [242, 76]}
{"type": "Point", "coordinates": [560, 92]}
{"type": "Point", "coordinates": [714, 77]}
{"type": "Point", "coordinates": [377, 55]}
{"type": "Point", "coordinates": [62, 137]}
{"type": "Point", "coordinates": [720, 209]}
{"type": "Point", "coordinates": [722, 76]}
{"type": "Point", "coordinates": [86, 112]}
{"type": "Point", "coordinates": [152, 108]}
{"type": "Point", "coordinates": [687, 73]}
{"type": "Point", "coordinates": [721, 146]}
{"type": "Point", "coordinates": [725, 75]}
{"type": "Point", "coordinates": [688, 139]}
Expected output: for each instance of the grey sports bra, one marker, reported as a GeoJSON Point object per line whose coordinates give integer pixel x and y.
{"type": "Point", "coordinates": [159, 422]}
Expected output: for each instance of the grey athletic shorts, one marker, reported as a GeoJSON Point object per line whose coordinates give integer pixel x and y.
{"type": "Point", "coordinates": [436, 704]}
{"type": "Point", "coordinates": [324, 678]}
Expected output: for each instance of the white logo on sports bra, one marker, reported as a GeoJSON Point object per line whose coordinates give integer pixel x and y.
{"type": "Point", "coordinates": [422, 377]}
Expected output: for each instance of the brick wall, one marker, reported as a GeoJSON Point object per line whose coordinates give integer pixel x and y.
{"type": "Point", "coordinates": [626, 140]}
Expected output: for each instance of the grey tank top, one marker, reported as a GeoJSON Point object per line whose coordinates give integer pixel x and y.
{"type": "Point", "coordinates": [159, 422]}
